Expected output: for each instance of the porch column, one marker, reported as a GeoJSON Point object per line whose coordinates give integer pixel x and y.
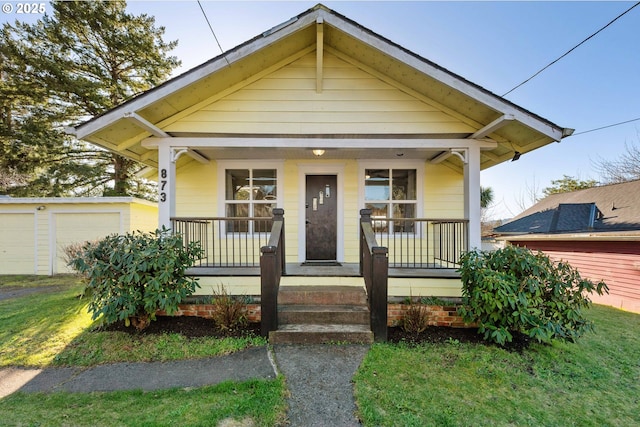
{"type": "Point", "coordinates": [472, 195]}
{"type": "Point", "coordinates": [166, 186]}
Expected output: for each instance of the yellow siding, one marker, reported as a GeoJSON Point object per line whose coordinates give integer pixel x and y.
{"type": "Point", "coordinates": [398, 287]}
{"type": "Point", "coordinates": [401, 287]}
{"type": "Point", "coordinates": [17, 243]}
{"type": "Point", "coordinates": [351, 213]}
{"type": "Point", "coordinates": [443, 192]}
{"type": "Point", "coordinates": [73, 228]}
{"type": "Point", "coordinates": [142, 217]}
{"type": "Point", "coordinates": [196, 190]}
{"type": "Point", "coordinates": [352, 101]}
{"type": "Point", "coordinates": [241, 285]}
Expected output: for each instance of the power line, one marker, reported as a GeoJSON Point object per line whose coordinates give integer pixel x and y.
{"type": "Point", "coordinates": [211, 28]}
{"type": "Point", "coordinates": [572, 49]}
{"type": "Point", "coordinates": [608, 126]}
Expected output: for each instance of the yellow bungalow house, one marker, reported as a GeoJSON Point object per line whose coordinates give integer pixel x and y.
{"type": "Point", "coordinates": [322, 118]}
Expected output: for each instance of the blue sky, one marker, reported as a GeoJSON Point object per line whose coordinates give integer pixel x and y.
{"type": "Point", "coordinates": [495, 44]}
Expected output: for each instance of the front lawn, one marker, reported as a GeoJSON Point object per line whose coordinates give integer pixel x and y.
{"type": "Point", "coordinates": [53, 328]}
{"type": "Point", "coordinates": [251, 403]}
{"type": "Point", "coordinates": [594, 382]}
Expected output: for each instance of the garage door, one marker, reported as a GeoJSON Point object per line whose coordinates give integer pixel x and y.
{"type": "Point", "coordinates": [17, 243]}
{"type": "Point", "coordinates": [71, 228]}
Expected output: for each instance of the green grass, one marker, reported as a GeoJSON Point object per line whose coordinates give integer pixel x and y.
{"type": "Point", "coordinates": [261, 401]}
{"type": "Point", "coordinates": [36, 327]}
{"type": "Point", "coordinates": [97, 348]}
{"type": "Point", "coordinates": [54, 329]}
{"type": "Point", "coordinates": [594, 382]}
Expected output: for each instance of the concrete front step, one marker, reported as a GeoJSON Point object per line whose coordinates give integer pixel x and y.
{"type": "Point", "coordinates": [322, 295]}
{"type": "Point", "coordinates": [321, 334]}
{"type": "Point", "coordinates": [323, 314]}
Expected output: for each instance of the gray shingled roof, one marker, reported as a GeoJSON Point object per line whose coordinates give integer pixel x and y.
{"type": "Point", "coordinates": [614, 207]}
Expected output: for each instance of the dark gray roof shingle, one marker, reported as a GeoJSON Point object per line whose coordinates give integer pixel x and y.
{"type": "Point", "coordinates": [614, 207]}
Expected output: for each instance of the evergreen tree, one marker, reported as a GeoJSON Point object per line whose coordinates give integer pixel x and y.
{"type": "Point", "coordinates": [84, 59]}
{"type": "Point", "coordinates": [568, 184]}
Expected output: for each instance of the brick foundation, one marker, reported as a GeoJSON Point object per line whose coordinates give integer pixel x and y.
{"type": "Point", "coordinates": [438, 315]}
{"type": "Point", "coordinates": [206, 310]}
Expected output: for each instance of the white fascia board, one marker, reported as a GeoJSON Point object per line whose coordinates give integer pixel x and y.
{"type": "Point", "coordinates": [447, 78]}
{"type": "Point", "coordinates": [310, 143]}
{"type": "Point", "coordinates": [189, 77]}
{"type": "Point", "coordinates": [73, 200]}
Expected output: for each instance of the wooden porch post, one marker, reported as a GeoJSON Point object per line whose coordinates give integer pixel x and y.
{"type": "Point", "coordinates": [268, 290]}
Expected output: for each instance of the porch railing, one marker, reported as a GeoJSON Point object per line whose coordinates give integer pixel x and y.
{"type": "Point", "coordinates": [226, 241]}
{"type": "Point", "coordinates": [422, 243]}
{"type": "Point", "coordinates": [272, 267]}
{"type": "Point", "coordinates": [374, 268]}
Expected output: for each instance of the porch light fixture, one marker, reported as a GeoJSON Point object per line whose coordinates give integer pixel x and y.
{"type": "Point", "coordinates": [516, 156]}
{"type": "Point", "coordinates": [318, 152]}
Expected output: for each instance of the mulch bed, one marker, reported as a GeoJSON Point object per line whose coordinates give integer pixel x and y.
{"type": "Point", "coordinates": [192, 327]}
{"type": "Point", "coordinates": [189, 326]}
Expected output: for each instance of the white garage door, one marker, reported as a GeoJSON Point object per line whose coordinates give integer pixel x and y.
{"type": "Point", "coordinates": [73, 228]}
{"type": "Point", "coordinates": [17, 243]}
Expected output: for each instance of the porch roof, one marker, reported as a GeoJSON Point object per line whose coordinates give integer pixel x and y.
{"type": "Point", "coordinates": [500, 126]}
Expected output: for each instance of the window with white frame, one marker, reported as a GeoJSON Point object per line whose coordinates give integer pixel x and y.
{"type": "Point", "coordinates": [250, 193]}
{"type": "Point", "coordinates": [392, 196]}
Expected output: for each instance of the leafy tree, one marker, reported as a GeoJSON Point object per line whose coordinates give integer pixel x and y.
{"type": "Point", "coordinates": [623, 169]}
{"type": "Point", "coordinates": [84, 59]}
{"type": "Point", "coordinates": [567, 184]}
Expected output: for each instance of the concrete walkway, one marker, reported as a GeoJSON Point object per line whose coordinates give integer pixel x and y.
{"type": "Point", "coordinates": [317, 376]}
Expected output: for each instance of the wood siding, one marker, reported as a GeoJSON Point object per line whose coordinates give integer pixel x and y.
{"type": "Point", "coordinates": [617, 263]}
{"type": "Point", "coordinates": [442, 194]}
{"type": "Point", "coordinates": [352, 101]}
{"type": "Point", "coordinates": [34, 239]}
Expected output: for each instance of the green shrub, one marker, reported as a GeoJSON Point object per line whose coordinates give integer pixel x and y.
{"type": "Point", "coordinates": [514, 290]}
{"type": "Point", "coordinates": [229, 312]}
{"type": "Point", "coordinates": [132, 276]}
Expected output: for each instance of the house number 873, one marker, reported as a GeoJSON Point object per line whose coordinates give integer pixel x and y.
{"type": "Point", "coordinates": [163, 185]}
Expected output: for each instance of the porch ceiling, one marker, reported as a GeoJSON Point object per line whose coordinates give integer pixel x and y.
{"type": "Point", "coordinates": [123, 128]}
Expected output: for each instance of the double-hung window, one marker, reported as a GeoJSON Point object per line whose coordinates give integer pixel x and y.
{"type": "Point", "coordinates": [391, 194]}
{"type": "Point", "coordinates": [250, 193]}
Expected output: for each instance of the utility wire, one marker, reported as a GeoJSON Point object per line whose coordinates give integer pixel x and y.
{"type": "Point", "coordinates": [605, 127]}
{"type": "Point", "coordinates": [572, 49]}
{"type": "Point", "coordinates": [212, 32]}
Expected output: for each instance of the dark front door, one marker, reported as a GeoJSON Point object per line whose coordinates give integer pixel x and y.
{"type": "Point", "coordinates": [321, 217]}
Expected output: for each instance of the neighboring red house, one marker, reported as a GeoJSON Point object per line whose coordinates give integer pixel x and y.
{"type": "Point", "coordinates": [596, 230]}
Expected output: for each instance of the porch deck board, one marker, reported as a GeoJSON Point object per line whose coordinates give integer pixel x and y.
{"type": "Point", "coordinates": [344, 270]}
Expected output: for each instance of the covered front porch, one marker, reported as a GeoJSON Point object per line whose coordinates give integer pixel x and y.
{"type": "Point", "coordinates": [417, 247]}
{"type": "Point", "coordinates": [244, 248]}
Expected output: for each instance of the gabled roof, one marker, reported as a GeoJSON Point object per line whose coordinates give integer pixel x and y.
{"type": "Point", "coordinates": [491, 116]}
{"type": "Point", "coordinates": [608, 208]}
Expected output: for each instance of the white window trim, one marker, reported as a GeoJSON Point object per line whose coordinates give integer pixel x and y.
{"type": "Point", "coordinates": [363, 165]}
{"type": "Point", "coordinates": [223, 165]}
